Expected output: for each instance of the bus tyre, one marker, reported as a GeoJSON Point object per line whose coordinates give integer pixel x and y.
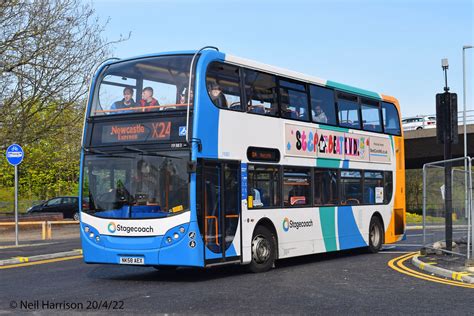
{"type": "Point", "coordinates": [376, 234]}
{"type": "Point", "coordinates": [263, 250]}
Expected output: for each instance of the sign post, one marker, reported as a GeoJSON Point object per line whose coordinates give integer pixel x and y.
{"type": "Point", "coordinates": [447, 134]}
{"type": "Point", "coordinates": [15, 156]}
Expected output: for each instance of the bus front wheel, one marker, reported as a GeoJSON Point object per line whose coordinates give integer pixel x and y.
{"type": "Point", "coordinates": [376, 233]}
{"type": "Point", "coordinates": [263, 250]}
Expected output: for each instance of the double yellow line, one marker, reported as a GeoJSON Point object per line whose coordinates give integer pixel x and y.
{"type": "Point", "coordinates": [398, 265]}
{"type": "Point", "coordinates": [25, 264]}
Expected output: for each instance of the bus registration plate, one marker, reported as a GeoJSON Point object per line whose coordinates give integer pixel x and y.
{"type": "Point", "coordinates": [131, 260]}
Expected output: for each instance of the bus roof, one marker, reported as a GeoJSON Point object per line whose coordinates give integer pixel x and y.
{"type": "Point", "coordinates": [277, 71]}
{"type": "Point", "coordinates": [300, 76]}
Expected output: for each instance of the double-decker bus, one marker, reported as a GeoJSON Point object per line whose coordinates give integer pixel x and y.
{"type": "Point", "coordinates": [199, 158]}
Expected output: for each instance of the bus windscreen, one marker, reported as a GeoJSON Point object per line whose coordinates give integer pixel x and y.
{"type": "Point", "coordinates": [136, 184]}
{"type": "Point", "coordinates": [143, 85]}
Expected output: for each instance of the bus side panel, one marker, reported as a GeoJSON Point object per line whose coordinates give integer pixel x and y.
{"type": "Point", "coordinates": [396, 228]}
{"type": "Point", "coordinates": [397, 224]}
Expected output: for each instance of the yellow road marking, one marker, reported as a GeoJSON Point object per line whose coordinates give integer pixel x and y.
{"type": "Point", "coordinates": [40, 262]}
{"type": "Point", "coordinates": [26, 245]}
{"type": "Point", "coordinates": [22, 259]}
{"type": "Point", "coordinates": [397, 265]}
{"type": "Point", "coordinates": [459, 275]}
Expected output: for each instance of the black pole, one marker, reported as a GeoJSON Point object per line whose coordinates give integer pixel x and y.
{"type": "Point", "coordinates": [447, 133]}
{"type": "Point", "coordinates": [448, 199]}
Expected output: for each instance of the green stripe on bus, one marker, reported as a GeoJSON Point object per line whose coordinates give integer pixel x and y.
{"type": "Point", "coordinates": [393, 146]}
{"type": "Point", "coordinates": [328, 227]}
{"type": "Point", "coordinates": [334, 128]}
{"type": "Point", "coordinates": [351, 89]}
{"type": "Point", "coordinates": [328, 163]}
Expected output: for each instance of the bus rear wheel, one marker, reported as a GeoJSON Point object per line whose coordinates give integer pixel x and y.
{"type": "Point", "coordinates": [263, 250]}
{"type": "Point", "coordinates": [376, 233]}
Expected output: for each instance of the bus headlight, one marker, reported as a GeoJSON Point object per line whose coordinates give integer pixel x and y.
{"type": "Point", "coordinates": [87, 229]}
{"type": "Point", "coordinates": [176, 235]}
{"type": "Point", "coordinates": [97, 238]}
{"type": "Point", "coordinates": [91, 235]}
{"type": "Point", "coordinates": [182, 230]}
{"type": "Point", "coordinates": [169, 240]}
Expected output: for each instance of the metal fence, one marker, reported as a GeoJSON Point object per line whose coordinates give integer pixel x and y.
{"type": "Point", "coordinates": [434, 211]}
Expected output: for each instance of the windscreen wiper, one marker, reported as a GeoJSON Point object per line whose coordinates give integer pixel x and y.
{"type": "Point", "coordinates": [103, 153]}
{"type": "Point", "coordinates": [147, 153]}
{"type": "Point", "coordinates": [94, 151]}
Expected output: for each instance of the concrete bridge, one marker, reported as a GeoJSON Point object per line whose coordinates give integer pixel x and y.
{"type": "Point", "coordinates": [421, 146]}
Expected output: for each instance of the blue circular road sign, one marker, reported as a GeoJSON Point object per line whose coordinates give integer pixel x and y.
{"type": "Point", "coordinates": [15, 154]}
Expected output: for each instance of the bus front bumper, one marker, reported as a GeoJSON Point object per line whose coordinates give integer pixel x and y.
{"type": "Point", "coordinates": [175, 248]}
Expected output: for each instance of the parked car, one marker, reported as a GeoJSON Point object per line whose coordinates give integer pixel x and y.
{"type": "Point", "coordinates": [68, 205]}
{"type": "Point", "coordinates": [418, 122]}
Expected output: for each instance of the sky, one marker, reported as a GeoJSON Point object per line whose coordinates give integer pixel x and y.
{"type": "Point", "coordinates": [386, 46]}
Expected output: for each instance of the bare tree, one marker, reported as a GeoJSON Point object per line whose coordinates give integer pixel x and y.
{"type": "Point", "coordinates": [48, 51]}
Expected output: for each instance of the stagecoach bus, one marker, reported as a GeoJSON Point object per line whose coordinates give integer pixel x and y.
{"type": "Point", "coordinates": [199, 158]}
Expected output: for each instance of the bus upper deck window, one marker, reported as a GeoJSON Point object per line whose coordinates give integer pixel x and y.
{"type": "Point", "coordinates": [391, 119]}
{"type": "Point", "coordinates": [261, 93]}
{"type": "Point", "coordinates": [143, 85]}
{"type": "Point", "coordinates": [223, 85]}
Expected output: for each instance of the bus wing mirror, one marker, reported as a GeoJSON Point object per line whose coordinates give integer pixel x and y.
{"type": "Point", "coordinates": [191, 166]}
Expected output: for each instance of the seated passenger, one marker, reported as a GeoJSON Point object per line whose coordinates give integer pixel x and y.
{"type": "Point", "coordinates": [257, 201]}
{"type": "Point", "coordinates": [217, 97]}
{"type": "Point", "coordinates": [148, 99]}
{"type": "Point", "coordinates": [126, 102]}
{"type": "Point", "coordinates": [319, 116]}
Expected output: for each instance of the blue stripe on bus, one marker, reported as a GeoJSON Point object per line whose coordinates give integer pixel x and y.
{"type": "Point", "coordinates": [230, 252]}
{"type": "Point", "coordinates": [345, 164]}
{"type": "Point", "coordinates": [206, 129]}
{"type": "Point", "coordinates": [349, 234]}
{"type": "Point", "coordinates": [243, 172]}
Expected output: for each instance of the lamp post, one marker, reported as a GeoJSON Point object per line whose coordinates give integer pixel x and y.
{"type": "Point", "coordinates": [467, 207]}
{"type": "Point", "coordinates": [464, 94]}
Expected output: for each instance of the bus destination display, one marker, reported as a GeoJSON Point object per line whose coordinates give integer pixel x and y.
{"type": "Point", "coordinates": [139, 131]}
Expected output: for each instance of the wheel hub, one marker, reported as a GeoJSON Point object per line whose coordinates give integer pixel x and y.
{"type": "Point", "coordinates": [374, 236]}
{"type": "Point", "coordinates": [260, 249]}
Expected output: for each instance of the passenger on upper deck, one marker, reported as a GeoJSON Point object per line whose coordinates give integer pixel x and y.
{"type": "Point", "coordinates": [126, 102]}
{"type": "Point", "coordinates": [147, 98]}
{"type": "Point", "coordinates": [217, 96]}
{"type": "Point", "coordinates": [319, 116]}
{"type": "Point", "coordinates": [184, 96]}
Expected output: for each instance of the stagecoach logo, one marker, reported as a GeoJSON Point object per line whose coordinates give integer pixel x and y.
{"type": "Point", "coordinates": [287, 224]}
{"type": "Point", "coordinates": [112, 227]}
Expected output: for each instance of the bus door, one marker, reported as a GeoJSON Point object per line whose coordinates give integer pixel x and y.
{"type": "Point", "coordinates": [220, 209]}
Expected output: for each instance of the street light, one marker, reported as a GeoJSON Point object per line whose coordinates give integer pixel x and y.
{"type": "Point", "coordinates": [464, 94]}
{"type": "Point", "coordinates": [466, 206]}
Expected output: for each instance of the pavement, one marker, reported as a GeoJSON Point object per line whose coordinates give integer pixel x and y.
{"type": "Point", "coordinates": [437, 262]}
{"type": "Point", "coordinates": [31, 251]}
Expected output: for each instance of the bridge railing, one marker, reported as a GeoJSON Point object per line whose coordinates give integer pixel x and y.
{"type": "Point", "coordinates": [469, 117]}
